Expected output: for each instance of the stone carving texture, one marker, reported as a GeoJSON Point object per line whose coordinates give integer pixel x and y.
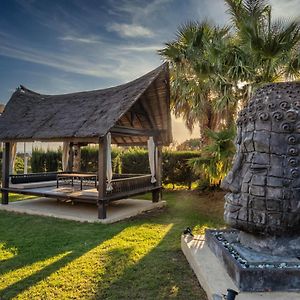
{"type": "Point", "coordinates": [265, 177]}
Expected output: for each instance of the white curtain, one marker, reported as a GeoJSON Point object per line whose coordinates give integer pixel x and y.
{"type": "Point", "coordinates": [65, 155]}
{"type": "Point", "coordinates": [151, 154]}
{"type": "Point", "coordinates": [25, 160]}
{"type": "Point", "coordinates": [109, 172]}
{"type": "Point", "coordinates": [13, 155]}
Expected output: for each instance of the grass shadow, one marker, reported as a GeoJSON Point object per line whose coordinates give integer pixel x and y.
{"type": "Point", "coordinates": [139, 258]}
{"type": "Point", "coordinates": [162, 273]}
{"type": "Point", "coordinates": [38, 239]}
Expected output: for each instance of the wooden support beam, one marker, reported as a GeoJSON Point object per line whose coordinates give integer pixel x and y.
{"type": "Point", "coordinates": [156, 194]}
{"type": "Point", "coordinates": [168, 89]}
{"type": "Point", "coordinates": [159, 165]}
{"type": "Point", "coordinates": [77, 158]}
{"type": "Point", "coordinates": [149, 113]}
{"type": "Point", "coordinates": [102, 178]}
{"type": "Point", "coordinates": [159, 103]}
{"type": "Point", "coordinates": [71, 158]}
{"type": "Point", "coordinates": [5, 172]}
{"type": "Point", "coordinates": [91, 140]}
{"type": "Point", "coordinates": [145, 114]}
{"type": "Point", "coordinates": [82, 198]}
{"type": "Point", "coordinates": [122, 130]}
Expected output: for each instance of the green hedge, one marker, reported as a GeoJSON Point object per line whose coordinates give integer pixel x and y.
{"type": "Point", "coordinates": [45, 161]}
{"type": "Point", "coordinates": [89, 159]}
{"type": "Point", "coordinates": [175, 168]}
{"type": "Point", "coordinates": [19, 164]}
{"type": "Point", "coordinates": [132, 160]}
{"type": "Point", "coordinates": [135, 161]}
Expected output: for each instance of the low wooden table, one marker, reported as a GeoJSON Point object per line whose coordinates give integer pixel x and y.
{"type": "Point", "coordinates": [73, 176]}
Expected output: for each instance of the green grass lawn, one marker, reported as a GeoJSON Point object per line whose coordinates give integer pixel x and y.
{"type": "Point", "coordinates": [47, 258]}
{"type": "Point", "coordinates": [18, 197]}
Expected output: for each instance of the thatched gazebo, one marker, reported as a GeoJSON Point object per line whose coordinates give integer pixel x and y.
{"type": "Point", "coordinates": [132, 114]}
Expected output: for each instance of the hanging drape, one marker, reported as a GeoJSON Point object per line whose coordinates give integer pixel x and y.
{"type": "Point", "coordinates": [151, 154]}
{"type": "Point", "coordinates": [65, 155]}
{"type": "Point", "coordinates": [25, 160]}
{"type": "Point", "coordinates": [109, 172]}
{"type": "Point", "coordinates": [13, 155]}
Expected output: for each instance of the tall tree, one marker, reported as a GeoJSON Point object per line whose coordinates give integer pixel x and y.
{"type": "Point", "coordinates": [214, 69]}
{"type": "Point", "coordinates": [206, 67]}
{"type": "Point", "coordinates": [272, 47]}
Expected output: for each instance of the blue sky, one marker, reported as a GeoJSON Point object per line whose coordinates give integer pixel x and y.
{"type": "Point", "coordinates": [71, 45]}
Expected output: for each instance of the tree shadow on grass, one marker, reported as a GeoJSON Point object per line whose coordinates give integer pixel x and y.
{"type": "Point", "coordinates": [162, 273]}
{"type": "Point", "coordinates": [37, 239]}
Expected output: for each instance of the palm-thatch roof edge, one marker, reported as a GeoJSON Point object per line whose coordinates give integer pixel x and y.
{"type": "Point", "coordinates": [91, 114]}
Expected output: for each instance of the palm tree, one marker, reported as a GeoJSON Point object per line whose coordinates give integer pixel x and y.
{"type": "Point", "coordinates": [272, 47]}
{"type": "Point", "coordinates": [209, 63]}
{"type": "Point", "coordinates": [214, 162]}
{"type": "Point", "coordinates": [215, 69]}
{"type": "Point", "coordinates": [198, 95]}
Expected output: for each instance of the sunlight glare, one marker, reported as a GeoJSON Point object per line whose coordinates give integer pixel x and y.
{"type": "Point", "coordinates": [7, 252]}
{"type": "Point", "coordinates": [98, 268]}
{"type": "Point", "coordinates": [19, 274]}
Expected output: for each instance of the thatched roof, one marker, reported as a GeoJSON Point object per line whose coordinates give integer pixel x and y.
{"type": "Point", "coordinates": [87, 116]}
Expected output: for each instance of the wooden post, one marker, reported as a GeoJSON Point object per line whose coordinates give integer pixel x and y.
{"type": "Point", "coordinates": [71, 158]}
{"type": "Point", "coordinates": [102, 178]}
{"type": "Point", "coordinates": [156, 194]}
{"type": "Point", "coordinates": [77, 158]}
{"type": "Point", "coordinates": [5, 172]}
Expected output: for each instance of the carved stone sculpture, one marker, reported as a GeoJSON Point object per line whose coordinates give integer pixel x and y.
{"type": "Point", "coordinates": [264, 182]}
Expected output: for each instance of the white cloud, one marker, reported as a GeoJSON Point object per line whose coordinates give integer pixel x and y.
{"type": "Point", "coordinates": [138, 10]}
{"type": "Point", "coordinates": [142, 48]}
{"type": "Point", "coordinates": [64, 62]}
{"type": "Point", "coordinates": [130, 30]}
{"type": "Point", "coordinates": [285, 9]}
{"type": "Point", "coordinates": [119, 62]}
{"type": "Point", "coordinates": [78, 39]}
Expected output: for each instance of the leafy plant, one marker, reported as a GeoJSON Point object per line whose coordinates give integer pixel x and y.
{"type": "Point", "coordinates": [45, 161]}
{"type": "Point", "coordinates": [214, 70]}
{"type": "Point", "coordinates": [215, 159]}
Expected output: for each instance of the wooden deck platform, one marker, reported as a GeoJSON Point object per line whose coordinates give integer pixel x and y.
{"type": "Point", "coordinates": [124, 186]}
{"type": "Point", "coordinates": [86, 195]}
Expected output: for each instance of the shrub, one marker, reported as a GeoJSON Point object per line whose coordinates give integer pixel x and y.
{"type": "Point", "coordinates": [45, 161]}
{"type": "Point", "coordinates": [19, 165]}
{"type": "Point", "coordinates": [131, 161]}
{"type": "Point", "coordinates": [135, 161]}
{"type": "Point", "coordinates": [216, 158]}
{"type": "Point", "coordinates": [176, 169]}
{"type": "Point", "coordinates": [1, 153]}
{"type": "Point", "coordinates": [89, 159]}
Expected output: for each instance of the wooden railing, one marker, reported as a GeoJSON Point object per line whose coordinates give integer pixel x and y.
{"type": "Point", "coordinates": [38, 177]}
{"type": "Point", "coordinates": [130, 183]}
{"type": "Point", "coordinates": [124, 185]}
{"type": "Point", "coordinates": [33, 177]}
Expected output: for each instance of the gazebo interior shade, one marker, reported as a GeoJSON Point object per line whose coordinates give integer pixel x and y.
{"type": "Point", "coordinates": [142, 106]}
